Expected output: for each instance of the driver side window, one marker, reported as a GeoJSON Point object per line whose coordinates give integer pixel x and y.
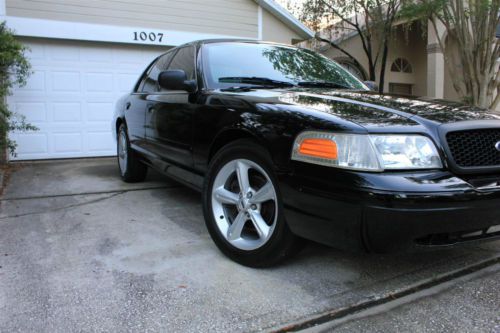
{"type": "Point", "coordinates": [185, 60]}
{"type": "Point", "coordinates": [150, 84]}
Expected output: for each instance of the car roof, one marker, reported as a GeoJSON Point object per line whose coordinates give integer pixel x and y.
{"type": "Point", "coordinates": [198, 43]}
{"type": "Point", "coordinates": [232, 40]}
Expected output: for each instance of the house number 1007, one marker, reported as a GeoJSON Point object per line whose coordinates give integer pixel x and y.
{"type": "Point", "coordinates": [145, 37]}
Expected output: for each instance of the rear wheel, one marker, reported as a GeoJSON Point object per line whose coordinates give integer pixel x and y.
{"type": "Point", "coordinates": [243, 209]}
{"type": "Point", "coordinates": [132, 170]}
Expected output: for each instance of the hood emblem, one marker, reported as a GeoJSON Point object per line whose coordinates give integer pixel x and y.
{"type": "Point", "coordinates": [497, 146]}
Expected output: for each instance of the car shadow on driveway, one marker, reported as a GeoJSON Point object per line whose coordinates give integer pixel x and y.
{"type": "Point", "coordinates": [81, 250]}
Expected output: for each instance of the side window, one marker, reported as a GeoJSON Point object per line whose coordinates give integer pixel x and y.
{"type": "Point", "coordinates": [184, 59]}
{"type": "Point", "coordinates": [150, 83]}
{"type": "Point", "coordinates": [140, 82]}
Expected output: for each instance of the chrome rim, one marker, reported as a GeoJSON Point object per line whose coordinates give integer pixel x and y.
{"type": "Point", "coordinates": [244, 204]}
{"type": "Point", "coordinates": [122, 152]}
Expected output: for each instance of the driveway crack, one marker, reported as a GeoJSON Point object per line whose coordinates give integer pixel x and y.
{"type": "Point", "coordinates": [80, 204]}
{"type": "Point", "coordinates": [371, 302]}
{"type": "Point", "coordinates": [89, 193]}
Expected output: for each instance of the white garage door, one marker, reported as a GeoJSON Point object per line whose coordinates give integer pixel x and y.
{"type": "Point", "coordinates": [71, 94]}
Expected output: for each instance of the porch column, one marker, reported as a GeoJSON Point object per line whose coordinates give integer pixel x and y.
{"type": "Point", "coordinates": [435, 65]}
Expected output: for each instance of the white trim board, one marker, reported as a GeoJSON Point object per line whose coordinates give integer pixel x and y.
{"type": "Point", "coordinates": [3, 9]}
{"type": "Point", "coordinates": [259, 23]}
{"type": "Point", "coordinates": [30, 27]}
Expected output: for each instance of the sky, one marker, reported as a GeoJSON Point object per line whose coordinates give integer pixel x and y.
{"type": "Point", "coordinates": [285, 3]}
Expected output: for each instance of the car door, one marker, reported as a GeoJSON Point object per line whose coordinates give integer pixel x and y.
{"type": "Point", "coordinates": [170, 114]}
{"type": "Point", "coordinates": [135, 108]}
{"type": "Point", "coordinates": [138, 104]}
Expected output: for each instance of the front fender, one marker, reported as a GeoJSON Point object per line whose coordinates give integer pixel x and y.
{"type": "Point", "coordinates": [118, 114]}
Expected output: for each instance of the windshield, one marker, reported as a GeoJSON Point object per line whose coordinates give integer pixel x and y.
{"type": "Point", "coordinates": [228, 65]}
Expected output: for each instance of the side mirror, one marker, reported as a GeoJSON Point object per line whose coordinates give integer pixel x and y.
{"type": "Point", "coordinates": [176, 80]}
{"type": "Point", "coordinates": [372, 85]}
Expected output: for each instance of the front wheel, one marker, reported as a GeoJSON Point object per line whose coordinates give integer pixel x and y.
{"type": "Point", "coordinates": [243, 208]}
{"type": "Point", "coordinates": [132, 170]}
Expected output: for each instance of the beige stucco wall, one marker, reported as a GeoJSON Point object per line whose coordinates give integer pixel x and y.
{"type": "Point", "coordinates": [410, 45]}
{"type": "Point", "coordinates": [449, 91]}
{"type": "Point", "coordinates": [354, 47]}
{"type": "Point", "coordinates": [274, 30]}
{"type": "Point", "coordinates": [234, 17]}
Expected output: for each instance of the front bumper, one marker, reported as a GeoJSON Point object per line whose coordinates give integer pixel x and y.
{"type": "Point", "coordinates": [390, 211]}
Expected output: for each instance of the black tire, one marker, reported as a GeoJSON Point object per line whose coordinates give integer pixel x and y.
{"type": "Point", "coordinates": [132, 170]}
{"type": "Point", "coordinates": [282, 243]}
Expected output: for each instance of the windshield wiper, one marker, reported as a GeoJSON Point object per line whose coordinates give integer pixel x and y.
{"type": "Point", "coordinates": [247, 88]}
{"type": "Point", "coordinates": [322, 84]}
{"type": "Point", "coordinates": [267, 83]}
{"type": "Point", "coordinates": [256, 80]}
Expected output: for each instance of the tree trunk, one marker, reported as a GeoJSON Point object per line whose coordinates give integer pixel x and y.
{"type": "Point", "coordinates": [3, 145]}
{"type": "Point", "coordinates": [337, 47]}
{"type": "Point", "coordinates": [3, 123]}
{"type": "Point", "coordinates": [383, 66]}
{"type": "Point", "coordinates": [472, 27]}
{"type": "Point", "coordinates": [372, 75]}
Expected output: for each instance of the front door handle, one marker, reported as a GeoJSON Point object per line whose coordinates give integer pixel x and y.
{"type": "Point", "coordinates": [150, 108]}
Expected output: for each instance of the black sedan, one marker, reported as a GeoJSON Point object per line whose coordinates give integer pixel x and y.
{"type": "Point", "coordinates": [286, 145]}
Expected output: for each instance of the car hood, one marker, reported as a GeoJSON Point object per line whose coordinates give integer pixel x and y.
{"type": "Point", "coordinates": [373, 110]}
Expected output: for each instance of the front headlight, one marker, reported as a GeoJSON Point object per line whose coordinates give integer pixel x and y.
{"type": "Point", "coordinates": [407, 152]}
{"type": "Point", "coordinates": [366, 152]}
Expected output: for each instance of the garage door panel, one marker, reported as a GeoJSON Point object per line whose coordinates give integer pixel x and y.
{"type": "Point", "coordinates": [32, 144]}
{"type": "Point", "coordinates": [71, 95]}
{"type": "Point", "coordinates": [35, 112]}
{"type": "Point", "coordinates": [36, 83]}
{"type": "Point", "coordinates": [132, 56]}
{"type": "Point", "coordinates": [97, 55]}
{"type": "Point", "coordinates": [65, 81]}
{"type": "Point", "coordinates": [36, 52]}
{"type": "Point", "coordinates": [100, 112]}
{"type": "Point", "coordinates": [64, 112]}
{"type": "Point", "coordinates": [98, 141]}
{"type": "Point", "coordinates": [125, 81]}
{"type": "Point", "coordinates": [99, 82]}
{"type": "Point", "coordinates": [67, 142]}
{"type": "Point", "coordinates": [64, 53]}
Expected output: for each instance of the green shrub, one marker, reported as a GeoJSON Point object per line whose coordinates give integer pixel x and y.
{"type": "Point", "coordinates": [14, 72]}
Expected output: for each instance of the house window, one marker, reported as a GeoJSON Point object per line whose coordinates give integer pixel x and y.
{"type": "Point", "coordinates": [401, 89]}
{"type": "Point", "coordinates": [401, 65]}
{"type": "Point", "coordinates": [352, 68]}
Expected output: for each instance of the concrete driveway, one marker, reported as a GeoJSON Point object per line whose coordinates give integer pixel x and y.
{"type": "Point", "coordinates": [82, 251]}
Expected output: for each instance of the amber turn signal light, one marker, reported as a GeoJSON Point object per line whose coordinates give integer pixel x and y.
{"type": "Point", "coordinates": [322, 148]}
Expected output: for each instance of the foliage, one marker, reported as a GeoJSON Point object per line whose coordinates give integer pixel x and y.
{"type": "Point", "coordinates": [471, 25]}
{"type": "Point", "coordinates": [14, 71]}
{"type": "Point", "coordinates": [371, 20]}
{"type": "Point", "coordinates": [307, 66]}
